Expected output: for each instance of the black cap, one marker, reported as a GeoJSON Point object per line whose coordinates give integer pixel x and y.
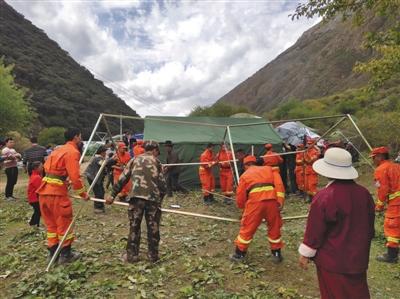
{"type": "Point", "coordinates": [168, 143]}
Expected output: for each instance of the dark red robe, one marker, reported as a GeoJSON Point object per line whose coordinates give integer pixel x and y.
{"type": "Point", "coordinates": [339, 231]}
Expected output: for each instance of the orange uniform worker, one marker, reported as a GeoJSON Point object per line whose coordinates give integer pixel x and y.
{"type": "Point", "coordinates": [122, 158]}
{"type": "Point", "coordinates": [55, 206]}
{"type": "Point", "coordinates": [311, 155]}
{"type": "Point", "coordinates": [261, 194]}
{"type": "Point", "coordinates": [299, 170]}
{"type": "Point", "coordinates": [138, 149]}
{"type": "Point", "coordinates": [271, 158]}
{"type": "Point", "coordinates": [207, 179]}
{"type": "Point", "coordinates": [387, 180]}
{"type": "Point", "coordinates": [225, 173]}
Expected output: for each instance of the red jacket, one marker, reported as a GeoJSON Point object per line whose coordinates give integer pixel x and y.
{"type": "Point", "coordinates": [259, 183]}
{"type": "Point", "coordinates": [272, 159]}
{"type": "Point", "coordinates": [224, 155]}
{"type": "Point", "coordinates": [207, 156]}
{"type": "Point", "coordinates": [34, 183]}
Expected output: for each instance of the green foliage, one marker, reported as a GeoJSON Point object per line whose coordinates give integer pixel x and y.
{"type": "Point", "coordinates": [219, 109]}
{"type": "Point", "coordinates": [52, 135]}
{"type": "Point", "coordinates": [386, 43]}
{"type": "Point", "coordinates": [15, 113]}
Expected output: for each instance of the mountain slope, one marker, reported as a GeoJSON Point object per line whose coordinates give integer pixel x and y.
{"type": "Point", "coordinates": [319, 64]}
{"type": "Point", "coordinates": [63, 92]}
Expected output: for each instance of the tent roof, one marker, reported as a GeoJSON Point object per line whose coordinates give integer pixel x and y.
{"type": "Point", "coordinates": [208, 129]}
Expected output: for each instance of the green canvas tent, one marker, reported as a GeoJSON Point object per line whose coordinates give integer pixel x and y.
{"type": "Point", "coordinates": [190, 135]}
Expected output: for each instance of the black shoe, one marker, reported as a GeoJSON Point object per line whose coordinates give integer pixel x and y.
{"type": "Point", "coordinates": [276, 256]}
{"type": "Point", "coordinates": [228, 201]}
{"type": "Point", "coordinates": [68, 256]}
{"type": "Point", "coordinates": [52, 250]}
{"type": "Point", "coordinates": [390, 257]}
{"type": "Point", "coordinates": [238, 256]}
{"type": "Point", "coordinates": [207, 200]}
{"type": "Point", "coordinates": [153, 258]}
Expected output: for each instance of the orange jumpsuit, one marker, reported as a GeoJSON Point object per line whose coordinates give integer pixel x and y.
{"type": "Point", "coordinates": [55, 205]}
{"type": "Point", "coordinates": [387, 180]}
{"type": "Point", "coordinates": [272, 159]}
{"type": "Point", "coordinates": [261, 193]}
{"type": "Point", "coordinates": [205, 172]}
{"type": "Point", "coordinates": [122, 160]}
{"type": "Point", "coordinates": [225, 172]}
{"type": "Point", "coordinates": [299, 171]}
{"type": "Point", "coordinates": [311, 178]}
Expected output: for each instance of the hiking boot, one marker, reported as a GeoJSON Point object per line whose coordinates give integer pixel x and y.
{"type": "Point", "coordinates": [390, 257]}
{"type": "Point", "coordinates": [131, 259]}
{"type": "Point", "coordinates": [153, 258]}
{"type": "Point", "coordinates": [206, 200]}
{"type": "Point", "coordinates": [99, 210]}
{"type": "Point", "coordinates": [10, 198]}
{"type": "Point", "coordinates": [276, 256]}
{"type": "Point", "coordinates": [228, 201]}
{"type": "Point", "coordinates": [68, 256]}
{"type": "Point", "coordinates": [52, 250]}
{"type": "Point", "coordinates": [238, 256]}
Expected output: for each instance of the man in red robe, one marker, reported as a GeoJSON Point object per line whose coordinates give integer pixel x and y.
{"type": "Point", "coordinates": [339, 230]}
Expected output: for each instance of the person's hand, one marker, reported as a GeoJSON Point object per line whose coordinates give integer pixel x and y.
{"type": "Point", "coordinates": [109, 199]}
{"type": "Point", "coordinates": [303, 262]}
{"type": "Point", "coordinates": [85, 196]}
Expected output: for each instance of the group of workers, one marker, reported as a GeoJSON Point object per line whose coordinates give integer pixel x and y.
{"type": "Point", "coordinates": [260, 193]}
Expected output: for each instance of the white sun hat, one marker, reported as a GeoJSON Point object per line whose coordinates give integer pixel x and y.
{"type": "Point", "coordinates": [336, 164]}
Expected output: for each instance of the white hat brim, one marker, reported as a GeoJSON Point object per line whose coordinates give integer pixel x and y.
{"type": "Point", "coordinates": [335, 172]}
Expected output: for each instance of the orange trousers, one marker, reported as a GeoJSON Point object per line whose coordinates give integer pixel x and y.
{"type": "Point", "coordinates": [311, 182]}
{"type": "Point", "coordinates": [391, 226]}
{"type": "Point", "coordinates": [127, 188]}
{"type": "Point", "coordinates": [299, 177]}
{"type": "Point", "coordinates": [57, 215]}
{"type": "Point", "coordinates": [254, 213]}
{"type": "Point", "coordinates": [207, 181]}
{"type": "Point", "coordinates": [226, 181]}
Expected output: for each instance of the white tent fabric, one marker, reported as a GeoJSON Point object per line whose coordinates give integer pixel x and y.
{"type": "Point", "coordinates": [294, 132]}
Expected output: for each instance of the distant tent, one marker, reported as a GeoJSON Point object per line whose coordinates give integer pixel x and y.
{"type": "Point", "coordinates": [190, 136]}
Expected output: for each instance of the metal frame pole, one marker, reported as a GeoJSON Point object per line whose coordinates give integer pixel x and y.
{"type": "Point", "coordinates": [359, 131]}
{"type": "Point", "coordinates": [90, 138]}
{"type": "Point", "coordinates": [233, 153]}
{"type": "Point", "coordinates": [235, 182]}
{"type": "Point", "coordinates": [120, 126]}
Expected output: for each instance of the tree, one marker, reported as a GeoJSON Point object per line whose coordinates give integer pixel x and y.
{"type": "Point", "coordinates": [386, 43]}
{"type": "Point", "coordinates": [15, 112]}
{"type": "Point", "coordinates": [52, 135]}
{"type": "Point", "coordinates": [218, 109]}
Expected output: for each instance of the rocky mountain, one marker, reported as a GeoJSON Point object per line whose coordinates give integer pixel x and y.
{"type": "Point", "coordinates": [319, 64]}
{"type": "Point", "coordinates": [63, 92]}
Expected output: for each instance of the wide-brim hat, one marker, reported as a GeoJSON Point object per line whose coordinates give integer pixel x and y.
{"type": "Point", "coordinates": [336, 164]}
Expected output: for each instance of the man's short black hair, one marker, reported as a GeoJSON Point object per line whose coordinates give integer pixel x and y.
{"type": "Point", "coordinates": [33, 139]}
{"type": "Point", "coordinates": [101, 149]}
{"type": "Point", "coordinates": [240, 150]}
{"type": "Point", "coordinates": [70, 133]}
{"type": "Point", "coordinates": [36, 164]}
{"type": "Point", "coordinates": [210, 145]}
{"type": "Point", "coordinates": [8, 139]}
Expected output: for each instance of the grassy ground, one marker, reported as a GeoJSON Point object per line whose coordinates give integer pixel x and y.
{"type": "Point", "coordinates": [194, 257]}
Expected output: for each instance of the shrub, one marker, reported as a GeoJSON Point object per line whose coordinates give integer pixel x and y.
{"type": "Point", "coordinates": [52, 135]}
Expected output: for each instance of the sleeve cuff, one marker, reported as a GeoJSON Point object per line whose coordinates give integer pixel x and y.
{"type": "Point", "coordinates": [306, 251]}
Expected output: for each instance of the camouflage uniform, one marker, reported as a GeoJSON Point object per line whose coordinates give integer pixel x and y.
{"type": "Point", "coordinates": [148, 190]}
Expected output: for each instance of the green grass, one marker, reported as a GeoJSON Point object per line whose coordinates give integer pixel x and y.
{"type": "Point", "coordinates": [194, 257]}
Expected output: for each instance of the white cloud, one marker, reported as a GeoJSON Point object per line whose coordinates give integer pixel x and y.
{"type": "Point", "coordinates": [165, 58]}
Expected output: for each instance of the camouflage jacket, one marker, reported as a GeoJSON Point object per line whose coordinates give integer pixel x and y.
{"type": "Point", "coordinates": [147, 178]}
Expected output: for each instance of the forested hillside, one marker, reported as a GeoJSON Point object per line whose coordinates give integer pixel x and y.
{"type": "Point", "coordinates": [63, 92]}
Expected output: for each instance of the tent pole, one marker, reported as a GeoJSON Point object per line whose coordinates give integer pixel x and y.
{"type": "Point", "coordinates": [90, 138]}
{"type": "Point", "coordinates": [359, 131]}
{"type": "Point", "coordinates": [120, 126]}
{"type": "Point", "coordinates": [329, 130]}
{"type": "Point", "coordinates": [109, 131]}
{"type": "Point", "coordinates": [252, 150]}
{"type": "Point", "coordinates": [347, 139]}
{"type": "Point", "coordinates": [233, 174]}
{"type": "Point", "coordinates": [233, 152]}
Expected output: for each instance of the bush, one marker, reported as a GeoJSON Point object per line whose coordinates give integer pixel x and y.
{"type": "Point", "coordinates": [52, 135]}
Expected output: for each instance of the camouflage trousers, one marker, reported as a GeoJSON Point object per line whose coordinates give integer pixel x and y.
{"type": "Point", "coordinates": [152, 214]}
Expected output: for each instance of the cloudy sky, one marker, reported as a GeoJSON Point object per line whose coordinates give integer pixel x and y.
{"type": "Point", "coordinates": [165, 57]}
